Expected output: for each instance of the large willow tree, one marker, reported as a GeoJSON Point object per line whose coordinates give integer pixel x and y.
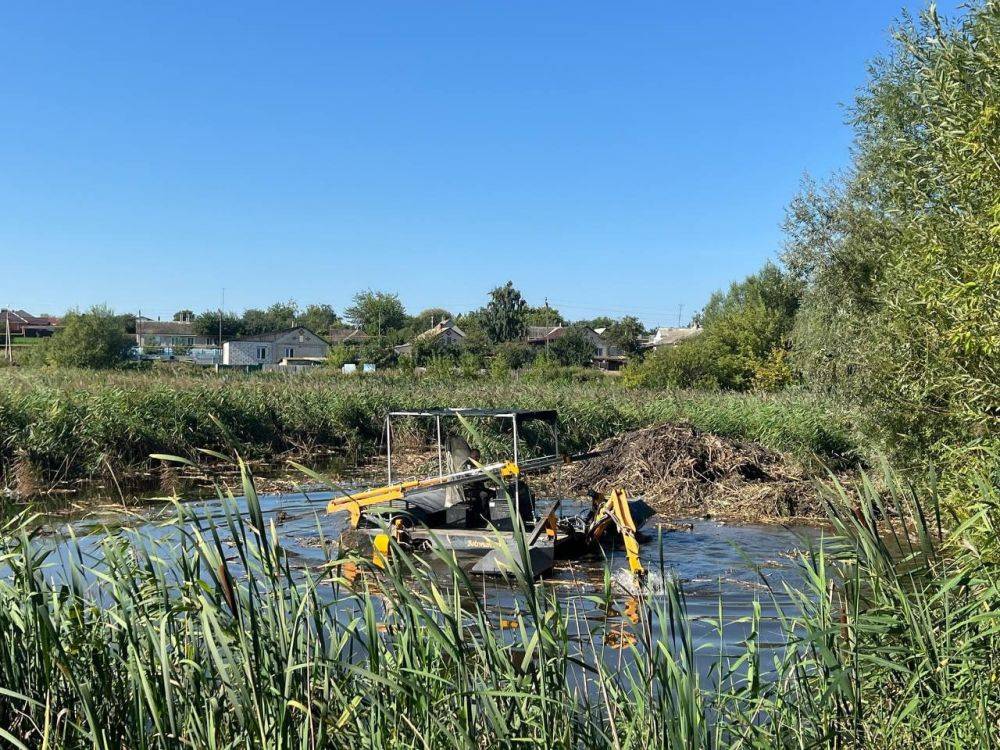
{"type": "Point", "coordinates": [902, 257]}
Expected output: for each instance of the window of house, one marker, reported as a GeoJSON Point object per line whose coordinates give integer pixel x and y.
{"type": "Point", "coordinates": [302, 337]}
{"type": "Point", "coordinates": [289, 351]}
{"type": "Point", "coordinates": [261, 352]}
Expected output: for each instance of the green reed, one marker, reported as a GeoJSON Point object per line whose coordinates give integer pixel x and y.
{"type": "Point", "coordinates": [225, 642]}
{"type": "Point", "coordinates": [57, 424]}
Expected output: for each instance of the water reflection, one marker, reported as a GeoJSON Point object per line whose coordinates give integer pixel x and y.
{"type": "Point", "coordinates": [727, 571]}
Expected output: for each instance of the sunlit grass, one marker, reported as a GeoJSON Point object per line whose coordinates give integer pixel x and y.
{"type": "Point", "coordinates": [69, 424]}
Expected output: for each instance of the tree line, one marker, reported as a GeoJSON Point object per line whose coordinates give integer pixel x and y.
{"type": "Point", "coordinates": [888, 292]}
{"type": "Point", "coordinates": [496, 331]}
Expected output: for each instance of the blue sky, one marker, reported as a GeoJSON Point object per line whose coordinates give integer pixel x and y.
{"type": "Point", "coordinates": [613, 157]}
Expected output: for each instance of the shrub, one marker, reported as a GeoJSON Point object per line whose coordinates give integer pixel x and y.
{"type": "Point", "coordinates": [94, 339]}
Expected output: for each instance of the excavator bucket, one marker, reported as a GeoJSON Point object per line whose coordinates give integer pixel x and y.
{"type": "Point", "coordinates": [615, 509]}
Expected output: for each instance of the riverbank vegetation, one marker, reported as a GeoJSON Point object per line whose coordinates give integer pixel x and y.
{"type": "Point", "coordinates": [229, 644]}
{"type": "Point", "coordinates": [64, 424]}
{"type": "Point", "coordinates": [890, 285]}
{"type": "Point", "coordinates": [885, 301]}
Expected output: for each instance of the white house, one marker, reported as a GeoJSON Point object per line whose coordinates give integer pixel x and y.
{"type": "Point", "coordinates": [667, 336]}
{"type": "Point", "coordinates": [171, 333]}
{"type": "Point", "coordinates": [273, 348]}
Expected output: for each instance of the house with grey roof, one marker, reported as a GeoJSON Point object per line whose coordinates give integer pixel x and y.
{"type": "Point", "coordinates": [347, 336]}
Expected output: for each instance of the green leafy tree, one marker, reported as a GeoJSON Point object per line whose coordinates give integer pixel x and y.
{"type": "Point", "coordinates": [340, 356]}
{"type": "Point", "coordinates": [832, 233]}
{"type": "Point", "coordinates": [625, 334]}
{"type": "Point", "coordinates": [513, 355]}
{"type": "Point", "coordinates": [318, 318]}
{"type": "Point", "coordinates": [422, 351]}
{"type": "Point", "coordinates": [503, 318]}
{"type": "Point", "coordinates": [694, 363]}
{"type": "Point", "coordinates": [207, 324]}
{"type": "Point", "coordinates": [376, 313]}
{"type": "Point", "coordinates": [277, 317]}
{"type": "Point", "coordinates": [543, 316]}
{"type": "Point", "coordinates": [574, 347]}
{"type": "Point", "coordinates": [374, 353]}
{"type": "Point", "coordinates": [743, 328]}
{"type": "Point", "coordinates": [601, 321]}
{"type": "Point", "coordinates": [900, 259]}
{"type": "Point", "coordinates": [477, 344]}
{"type": "Point", "coordinates": [95, 339]}
{"type": "Point", "coordinates": [428, 318]}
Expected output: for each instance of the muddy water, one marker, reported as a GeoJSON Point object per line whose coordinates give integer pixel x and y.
{"type": "Point", "coordinates": [741, 566]}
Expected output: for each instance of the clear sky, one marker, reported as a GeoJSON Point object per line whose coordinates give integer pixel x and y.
{"type": "Point", "coordinates": [613, 157]}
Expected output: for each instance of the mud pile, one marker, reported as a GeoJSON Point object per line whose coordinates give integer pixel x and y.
{"type": "Point", "coordinates": [681, 470]}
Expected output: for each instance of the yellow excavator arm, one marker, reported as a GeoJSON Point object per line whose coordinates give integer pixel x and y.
{"type": "Point", "coordinates": [614, 509]}
{"type": "Point", "coordinates": [353, 504]}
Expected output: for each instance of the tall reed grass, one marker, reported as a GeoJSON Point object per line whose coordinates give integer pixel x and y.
{"type": "Point", "coordinates": [70, 424]}
{"type": "Point", "coordinates": [889, 643]}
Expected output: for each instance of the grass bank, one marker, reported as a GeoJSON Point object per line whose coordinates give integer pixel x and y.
{"type": "Point", "coordinates": [231, 646]}
{"type": "Point", "coordinates": [59, 424]}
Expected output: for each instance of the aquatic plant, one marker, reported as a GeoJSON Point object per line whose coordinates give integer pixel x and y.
{"type": "Point", "coordinates": [891, 642]}
{"type": "Point", "coordinates": [70, 424]}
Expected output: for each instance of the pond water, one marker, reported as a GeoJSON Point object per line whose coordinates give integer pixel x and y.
{"type": "Point", "coordinates": [741, 566]}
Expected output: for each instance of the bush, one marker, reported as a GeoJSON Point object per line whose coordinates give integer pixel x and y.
{"type": "Point", "coordinates": [515, 354]}
{"type": "Point", "coordinates": [693, 363]}
{"type": "Point", "coordinates": [573, 348]}
{"type": "Point", "coordinates": [94, 340]}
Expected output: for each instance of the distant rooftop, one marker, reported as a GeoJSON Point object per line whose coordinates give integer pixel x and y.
{"type": "Point", "coordinates": [347, 336]}
{"type": "Point", "coordinates": [165, 327]}
{"type": "Point", "coordinates": [669, 336]}
{"type": "Point", "coordinates": [274, 335]}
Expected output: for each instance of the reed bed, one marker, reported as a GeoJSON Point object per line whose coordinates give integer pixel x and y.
{"type": "Point", "coordinates": [889, 643]}
{"type": "Point", "coordinates": [58, 424]}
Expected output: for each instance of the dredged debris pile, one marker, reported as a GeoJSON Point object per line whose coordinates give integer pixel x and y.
{"type": "Point", "coordinates": [680, 469]}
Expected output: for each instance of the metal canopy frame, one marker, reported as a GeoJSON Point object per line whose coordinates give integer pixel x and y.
{"type": "Point", "coordinates": [516, 417]}
{"type": "Point", "coordinates": [521, 415]}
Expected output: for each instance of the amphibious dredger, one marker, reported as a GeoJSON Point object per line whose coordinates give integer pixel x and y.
{"type": "Point", "coordinates": [470, 506]}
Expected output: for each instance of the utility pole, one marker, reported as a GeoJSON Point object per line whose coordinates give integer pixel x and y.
{"type": "Point", "coordinates": [680, 312]}
{"type": "Point", "coordinates": [219, 357]}
{"type": "Point", "coordinates": [10, 352]}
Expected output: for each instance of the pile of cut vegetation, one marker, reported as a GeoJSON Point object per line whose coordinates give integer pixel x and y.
{"type": "Point", "coordinates": [680, 469]}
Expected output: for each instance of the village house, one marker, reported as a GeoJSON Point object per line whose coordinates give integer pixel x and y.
{"type": "Point", "coordinates": [606, 357]}
{"type": "Point", "coordinates": [670, 336]}
{"type": "Point", "coordinates": [25, 324]}
{"type": "Point", "coordinates": [444, 333]}
{"type": "Point", "coordinates": [280, 347]}
{"type": "Point", "coordinates": [347, 337]}
{"type": "Point", "coordinates": [609, 357]}
{"type": "Point", "coordinates": [172, 334]}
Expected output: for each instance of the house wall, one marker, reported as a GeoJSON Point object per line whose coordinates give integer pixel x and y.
{"type": "Point", "coordinates": [448, 336]}
{"type": "Point", "coordinates": [299, 344]}
{"type": "Point", "coordinates": [600, 345]}
{"type": "Point", "coordinates": [166, 339]}
{"type": "Point", "coordinates": [246, 353]}
{"type": "Point", "coordinates": [291, 344]}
